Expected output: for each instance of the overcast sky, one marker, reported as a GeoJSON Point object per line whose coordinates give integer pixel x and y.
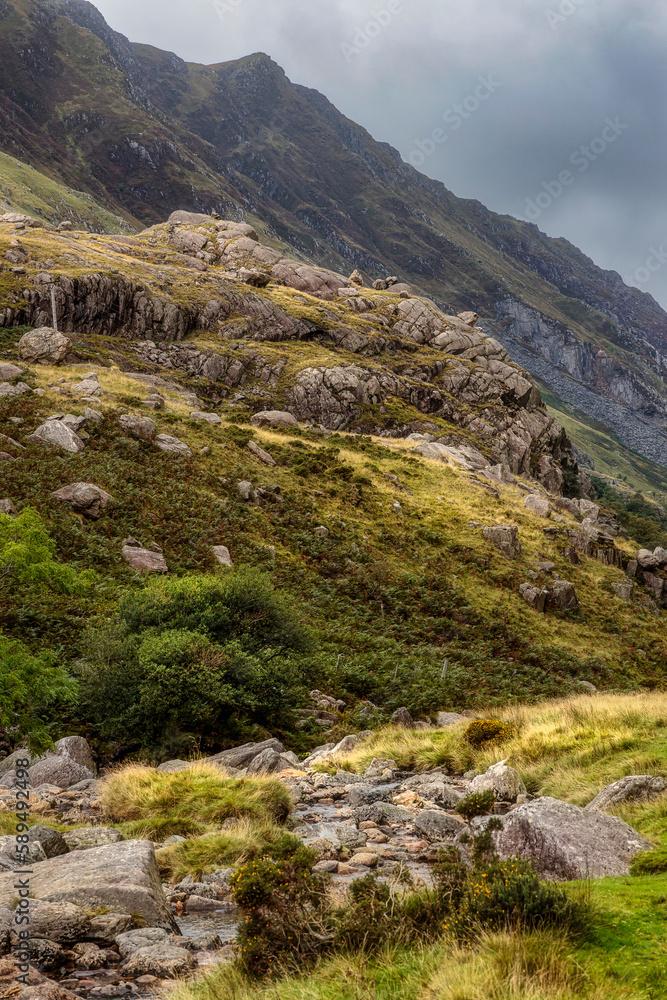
{"type": "Point", "coordinates": [553, 110]}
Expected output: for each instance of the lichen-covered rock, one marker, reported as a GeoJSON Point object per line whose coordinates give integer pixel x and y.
{"type": "Point", "coordinates": [505, 783]}
{"type": "Point", "coordinates": [44, 345]}
{"type": "Point", "coordinates": [633, 788]}
{"type": "Point", "coordinates": [84, 498]}
{"type": "Point", "coordinates": [58, 434]}
{"type": "Point", "coordinates": [86, 837]}
{"type": "Point", "coordinates": [505, 537]}
{"type": "Point", "coordinates": [166, 442]}
{"type": "Point", "coordinates": [143, 560]}
{"type": "Point", "coordinates": [138, 427]}
{"type": "Point", "coordinates": [165, 961]}
{"type": "Point", "coordinates": [438, 826]}
{"type": "Point", "coordinates": [274, 418]}
{"type": "Point", "coordinates": [565, 842]}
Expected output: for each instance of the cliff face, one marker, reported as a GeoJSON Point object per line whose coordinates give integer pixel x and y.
{"type": "Point", "coordinates": [143, 132]}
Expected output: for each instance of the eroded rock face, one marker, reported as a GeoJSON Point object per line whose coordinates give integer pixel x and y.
{"type": "Point", "coordinates": [565, 842]}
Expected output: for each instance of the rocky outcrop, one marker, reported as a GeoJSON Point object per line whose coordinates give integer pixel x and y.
{"type": "Point", "coordinates": [634, 788]}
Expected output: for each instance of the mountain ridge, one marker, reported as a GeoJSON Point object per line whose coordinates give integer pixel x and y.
{"type": "Point", "coordinates": [239, 138]}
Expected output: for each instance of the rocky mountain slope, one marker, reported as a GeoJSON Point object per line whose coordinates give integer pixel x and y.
{"type": "Point", "coordinates": [142, 131]}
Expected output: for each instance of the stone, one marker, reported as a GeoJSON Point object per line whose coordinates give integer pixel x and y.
{"type": "Point", "coordinates": [505, 537]}
{"type": "Point", "coordinates": [469, 318]}
{"type": "Point", "coordinates": [89, 386]}
{"type": "Point", "coordinates": [438, 826]}
{"type": "Point", "coordinates": [52, 842]}
{"type": "Point", "coordinates": [46, 955]}
{"type": "Point", "coordinates": [365, 859]}
{"type": "Point", "coordinates": [565, 842]}
{"type": "Point", "coordinates": [253, 276]}
{"type": "Point", "coordinates": [545, 567]}
{"type": "Point", "coordinates": [380, 285]}
{"type": "Point", "coordinates": [189, 242]}
{"type": "Point", "coordinates": [60, 921]}
{"type": "Point", "coordinates": [44, 346]}
{"type": "Point", "coordinates": [245, 490]}
{"type": "Point", "coordinates": [222, 556]}
{"type": "Point", "coordinates": [8, 508]}
{"type": "Point", "coordinates": [660, 556]}
{"type": "Point", "coordinates": [70, 764]}
{"type": "Point", "coordinates": [259, 453]}
{"type": "Point", "coordinates": [105, 927]}
{"type": "Point", "coordinates": [182, 218]}
{"type": "Point", "coordinates": [241, 756]}
{"type": "Point", "coordinates": [563, 596]}
{"type": "Point", "coordinates": [154, 401]}
{"type": "Point", "coordinates": [273, 418]}
{"type": "Point", "coordinates": [88, 956]}
{"type": "Point", "coordinates": [624, 590]}
{"type": "Point", "coordinates": [633, 788]}
{"type": "Point", "coordinates": [84, 498]}
{"type": "Point", "coordinates": [142, 937]}
{"type": "Point", "coordinates": [538, 505]}
{"type": "Point", "coordinates": [83, 838]}
{"type": "Point", "coordinates": [143, 560]}
{"type": "Point", "coordinates": [166, 442]}
{"type": "Point", "coordinates": [356, 278]}
{"type": "Point", "coordinates": [505, 783]}
{"type": "Point", "coordinates": [446, 719]}
{"type": "Point", "coordinates": [6, 389]}
{"type": "Point", "coordinates": [165, 961]}
{"type": "Point", "coordinates": [535, 596]}
{"type": "Point", "coordinates": [58, 434]}
{"type": "Point", "coordinates": [142, 428]}
{"type": "Point", "coordinates": [209, 418]}
{"type": "Point", "coordinates": [9, 371]}
{"type": "Point", "coordinates": [13, 859]}
{"type": "Point", "coordinates": [586, 686]}
{"type": "Point", "coordinates": [266, 762]}
{"type": "Point", "coordinates": [338, 835]}
{"type": "Point", "coordinates": [120, 877]}
{"type": "Point", "coordinates": [362, 795]}
{"type": "Point", "coordinates": [324, 867]}
{"type": "Point", "coordinates": [401, 717]}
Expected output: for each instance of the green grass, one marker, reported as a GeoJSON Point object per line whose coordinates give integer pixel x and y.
{"type": "Point", "coordinates": [193, 801]}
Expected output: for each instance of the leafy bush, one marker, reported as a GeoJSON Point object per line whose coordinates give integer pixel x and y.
{"type": "Point", "coordinates": [285, 913]}
{"type": "Point", "coordinates": [26, 557]}
{"type": "Point", "coordinates": [28, 686]}
{"type": "Point", "coordinates": [197, 655]}
{"type": "Point", "coordinates": [477, 804]}
{"type": "Point", "coordinates": [483, 731]}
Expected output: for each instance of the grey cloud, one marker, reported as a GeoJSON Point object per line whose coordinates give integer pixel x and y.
{"type": "Point", "coordinates": [559, 82]}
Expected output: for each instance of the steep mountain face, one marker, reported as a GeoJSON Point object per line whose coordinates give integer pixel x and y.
{"type": "Point", "coordinates": [144, 132]}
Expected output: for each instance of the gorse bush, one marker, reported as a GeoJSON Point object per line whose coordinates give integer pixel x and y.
{"type": "Point", "coordinates": [289, 921]}
{"type": "Point", "coordinates": [477, 804]}
{"type": "Point", "coordinates": [488, 731]}
{"type": "Point", "coordinates": [196, 655]}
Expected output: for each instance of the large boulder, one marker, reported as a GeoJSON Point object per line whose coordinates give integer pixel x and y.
{"type": "Point", "coordinates": [503, 781]}
{"type": "Point", "coordinates": [84, 498]}
{"type": "Point", "coordinates": [273, 418]}
{"type": "Point", "coordinates": [538, 505]}
{"type": "Point", "coordinates": [71, 763]}
{"type": "Point", "coordinates": [13, 859]}
{"type": "Point", "coordinates": [438, 826]}
{"type": "Point", "coordinates": [565, 842]}
{"type": "Point", "coordinates": [563, 596]}
{"type": "Point", "coordinates": [9, 371]}
{"type": "Point", "coordinates": [143, 560]}
{"type": "Point", "coordinates": [166, 442]}
{"type": "Point", "coordinates": [120, 877]}
{"type": "Point", "coordinates": [52, 842]}
{"type": "Point", "coordinates": [142, 937]}
{"type": "Point", "coordinates": [83, 838]}
{"type": "Point", "coordinates": [44, 345]}
{"type": "Point", "coordinates": [633, 788]}
{"type": "Point", "coordinates": [142, 428]}
{"type": "Point", "coordinates": [242, 756]}
{"type": "Point", "coordinates": [59, 435]}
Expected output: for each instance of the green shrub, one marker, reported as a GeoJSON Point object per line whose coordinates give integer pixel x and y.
{"type": "Point", "coordinates": [28, 686]}
{"type": "Point", "coordinates": [483, 731]}
{"type": "Point", "coordinates": [285, 909]}
{"type": "Point", "coordinates": [477, 804]}
{"type": "Point", "coordinates": [650, 862]}
{"type": "Point", "coordinates": [26, 557]}
{"type": "Point", "coordinates": [198, 655]}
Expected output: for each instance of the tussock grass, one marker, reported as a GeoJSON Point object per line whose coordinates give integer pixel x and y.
{"type": "Point", "coordinates": [155, 804]}
{"type": "Point", "coordinates": [245, 840]}
{"type": "Point", "coordinates": [569, 748]}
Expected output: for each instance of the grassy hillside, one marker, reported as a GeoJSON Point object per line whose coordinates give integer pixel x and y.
{"type": "Point", "coordinates": [26, 190]}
